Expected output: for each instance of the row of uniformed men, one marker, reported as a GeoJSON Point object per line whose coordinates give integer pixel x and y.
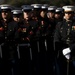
{"type": "Point", "coordinates": [22, 51]}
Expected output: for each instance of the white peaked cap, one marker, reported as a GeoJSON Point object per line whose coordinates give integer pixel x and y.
{"type": "Point", "coordinates": [44, 7]}
{"type": "Point", "coordinates": [16, 11]}
{"type": "Point", "coordinates": [6, 6]}
{"type": "Point", "coordinates": [68, 8]}
{"type": "Point", "coordinates": [59, 9]}
{"type": "Point", "coordinates": [27, 7]}
{"type": "Point", "coordinates": [52, 7]}
{"type": "Point", "coordinates": [36, 5]}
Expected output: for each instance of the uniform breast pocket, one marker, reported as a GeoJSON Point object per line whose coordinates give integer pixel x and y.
{"type": "Point", "coordinates": [73, 29]}
{"type": "Point", "coordinates": [10, 32]}
{"type": "Point", "coordinates": [63, 32]}
{"type": "Point", "coordinates": [1, 34]}
{"type": "Point", "coordinates": [72, 34]}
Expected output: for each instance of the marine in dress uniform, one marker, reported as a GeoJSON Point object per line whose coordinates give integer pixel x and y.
{"type": "Point", "coordinates": [64, 42]}
{"type": "Point", "coordinates": [59, 13]}
{"type": "Point", "coordinates": [8, 38]}
{"type": "Point", "coordinates": [49, 38]}
{"type": "Point", "coordinates": [35, 43]}
{"type": "Point", "coordinates": [24, 41]}
{"type": "Point", "coordinates": [42, 29]}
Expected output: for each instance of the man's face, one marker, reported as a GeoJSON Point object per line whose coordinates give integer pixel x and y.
{"type": "Point", "coordinates": [43, 13]}
{"type": "Point", "coordinates": [58, 15]}
{"type": "Point", "coordinates": [68, 15]}
{"type": "Point", "coordinates": [17, 17]}
{"type": "Point", "coordinates": [26, 14]}
{"type": "Point", "coordinates": [51, 14]}
{"type": "Point", "coordinates": [5, 14]}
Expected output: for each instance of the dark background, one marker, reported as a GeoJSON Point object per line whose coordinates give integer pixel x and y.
{"type": "Point", "coordinates": [50, 2]}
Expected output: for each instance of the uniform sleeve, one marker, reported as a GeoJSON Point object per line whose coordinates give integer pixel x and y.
{"type": "Point", "coordinates": [72, 48]}
{"type": "Point", "coordinates": [57, 36]}
{"type": "Point", "coordinates": [16, 36]}
{"type": "Point", "coordinates": [33, 30]}
{"type": "Point", "coordinates": [1, 34]}
{"type": "Point", "coordinates": [72, 42]}
{"type": "Point", "coordinates": [57, 39]}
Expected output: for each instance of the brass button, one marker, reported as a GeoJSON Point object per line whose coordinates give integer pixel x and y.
{"type": "Point", "coordinates": [10, 30]}
{"type": "Point", "coordinates": [61, 31]}
{"type": "Point", "coordinates": [32, 27]}
{"type": "Point", "coordinates": [61, 28]}
{"type": "Point", "coordinates": [27, 22]}
{"type": "Point", "coordinates": [68, 29]}
{"type": "Point", "coordinates": [22, 38]}
{"type": "Point", "coordinates": [68, 24]}
{"type": "Point", "coordinates": [68, 40]}
{"type": "Point", "coordinates": [5, 37]}
{"type": "Point", "coordinates": [5, 26]}
{"type": "Point", "coordinates": [42, 25]}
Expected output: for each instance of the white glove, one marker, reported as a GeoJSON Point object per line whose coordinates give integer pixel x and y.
{"type": "Point", "coordinates": [67, 56]}
{"type": "Point", "coordinates": [66, 53]}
